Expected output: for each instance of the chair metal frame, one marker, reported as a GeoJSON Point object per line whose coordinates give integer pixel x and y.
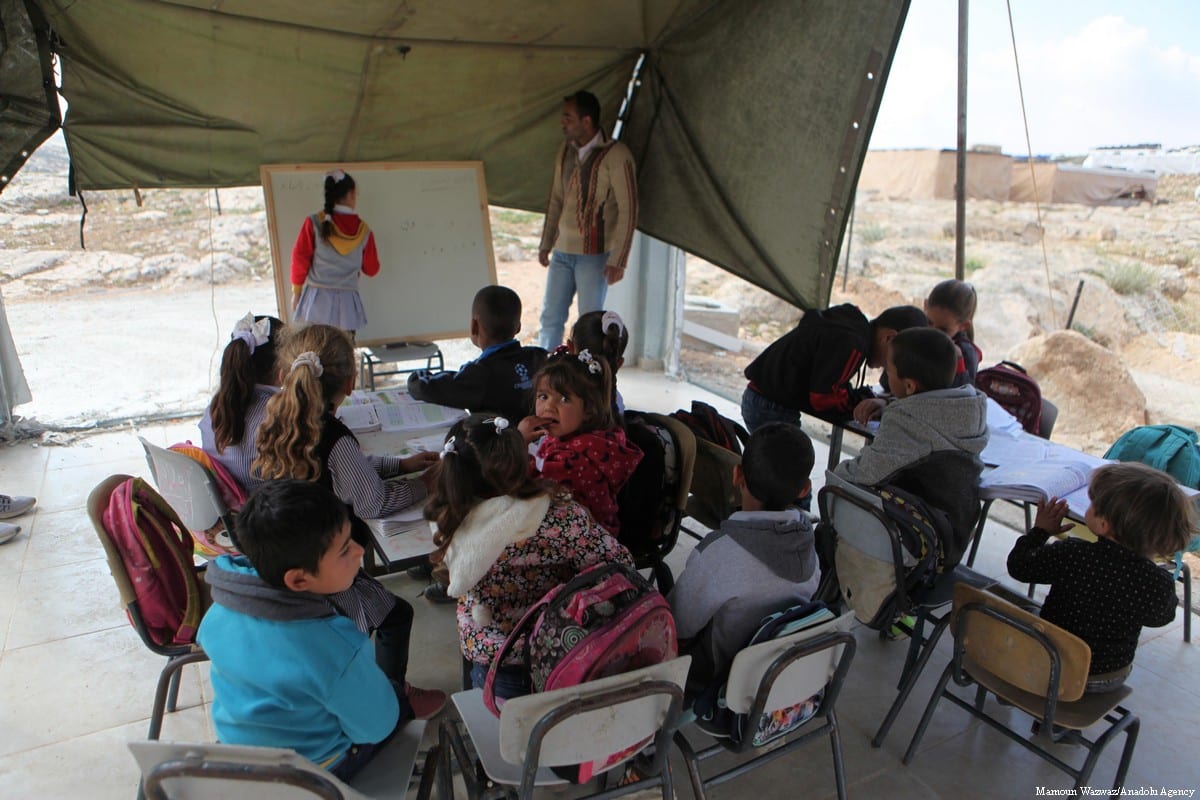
{"type": "Point", "coordinates": [806, 733]}
{"type": "Point", "coordinates": [655, 768]}
{"type": "Point", "coordinates": [924, 606]}
{"type": "Point", "coordinates": [1120, 719]}
{"type": "Point", "coordinates": [244, 764]}
{"type": "Point", "coordinates": [166, 693]}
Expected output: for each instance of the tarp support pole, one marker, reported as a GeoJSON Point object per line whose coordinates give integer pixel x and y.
{"type": "Point", "coordinates": [960, 167]}
{"type": "Point", "coordinates": [635, 80]}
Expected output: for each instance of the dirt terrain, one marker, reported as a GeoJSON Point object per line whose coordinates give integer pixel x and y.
{"type": "Point", "coordinates": [161, 267]}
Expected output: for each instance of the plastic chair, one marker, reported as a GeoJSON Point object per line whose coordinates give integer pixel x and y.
{"type": "Point", "coordinates": [1038, 668]}
{"type": "Point", "coordinates": [881, 588]}
{"type": "Point", "coordinates": [208, 771]}
{"type": "Point", "coordinates": [178, 656]}
{"type": "Point", "coordinates": [775, 675]}
{"type": "Point", "coordinates": [654, 499]}
{"type": "Point", "coordinates": [189, 489]}
{"type": "Point", "coordinates": [579, 724]}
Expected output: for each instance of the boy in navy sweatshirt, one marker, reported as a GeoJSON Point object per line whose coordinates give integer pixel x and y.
{"type": "Point", "coordinates": [500, 379]}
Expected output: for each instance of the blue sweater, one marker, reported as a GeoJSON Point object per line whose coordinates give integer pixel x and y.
{"type": "Point", "coordinates": [287, 671]}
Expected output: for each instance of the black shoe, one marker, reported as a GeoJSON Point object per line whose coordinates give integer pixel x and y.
{"type": "Point", "coordinates": [421, 572]}
{"type": "Point", "coordinates": [436, 593]}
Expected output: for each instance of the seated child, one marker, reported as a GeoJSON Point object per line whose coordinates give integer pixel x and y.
{"type": "Point", "coordinates": [603, 334]}
{"type": "Point", "coordinates": [506, 538]}
{"type": "Point", "coordinates": [249, 378]}
{"type": "Point", "coordinates": [1105, 591]}
{"type": "Point", "coordinates": [759, 561]}
{"type": "Point", "coordinates": [579, 443]}
{"type": "Point", "coordinates": [928, 442]}
{"type": "Point", "coordinates": [287, 669]}
{"type": "Point", "coordinates": [951, 309]}
{"type": "Point", "coordinates": [501, 379]}
{"type": "Point", "coordinates": [811, 368]}
{"type": "Point", "coordinates": [301, 438]}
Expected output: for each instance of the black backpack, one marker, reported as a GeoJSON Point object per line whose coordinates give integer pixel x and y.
{"type": "Point", "coordinates": [707, 424]}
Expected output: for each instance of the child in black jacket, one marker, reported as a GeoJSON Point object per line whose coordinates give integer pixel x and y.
{"type": "Point", "coordinates": [500, 380]}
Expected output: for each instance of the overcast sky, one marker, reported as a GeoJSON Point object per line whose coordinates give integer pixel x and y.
{"type": "Point", "coordinates": [1095, 72]}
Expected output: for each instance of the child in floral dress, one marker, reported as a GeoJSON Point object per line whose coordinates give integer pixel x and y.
{"type": "Point", "coordinates": [505, 538]}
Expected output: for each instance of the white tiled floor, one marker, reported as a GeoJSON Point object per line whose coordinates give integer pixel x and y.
{"type": "Point", "coordinates": [76, 683]}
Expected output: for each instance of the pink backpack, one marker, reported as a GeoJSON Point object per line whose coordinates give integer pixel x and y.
{"type": "Point", "coordinates": [606, 620]}
{"type": "Point", "coordinates": [156, 550]}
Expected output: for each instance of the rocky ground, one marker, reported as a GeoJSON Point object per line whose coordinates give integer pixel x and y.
{"type": "Point", "coordinates": [159, 265]}
{"type": "Point", "coordinates": [132, 326]}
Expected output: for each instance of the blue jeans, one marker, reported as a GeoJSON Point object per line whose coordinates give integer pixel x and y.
{"type": "Point", "coordinates": [758, 411]}
{"type": "Point", "coordinates": [567, 273]}
{"type": "Point", "coordinates": [510, 681]}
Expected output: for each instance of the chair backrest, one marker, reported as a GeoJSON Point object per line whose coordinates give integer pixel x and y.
{"type": "Point", "coordinates": [685, 455]}
{"type": "Point", "coordinates": [870, 562]}
{"type": "Point", "coordinates": [186, 485]}
{"type": "Point", "coordinates": [595, 719]}
{"type": "Point", "coordinates": [97, 503]}
{"type": "Point", "coordinates": [1014, 645]}
{"type": "Point", "coordinates": [713, 495]}
{"type": "Point", "coordinates": [800, 680]}
{"type": "Point", "coordinates": [1048, 418]}
{"type": "Point", "coordinates": [209, 771]}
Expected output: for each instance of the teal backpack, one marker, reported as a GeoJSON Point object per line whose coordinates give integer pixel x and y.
{"type": "Point", "coordinates": [1170, 448]}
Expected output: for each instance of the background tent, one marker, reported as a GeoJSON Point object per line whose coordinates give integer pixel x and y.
{"type": "Point", "coordinates": [749, 118]}
{"type": "Point", "coordinates": [930, 174]}
{"type": "Point", "coordinates": [1068, 183]}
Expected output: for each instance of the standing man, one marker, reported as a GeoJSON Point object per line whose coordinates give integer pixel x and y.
{"type": "Point", "coordinates": [590, 218]}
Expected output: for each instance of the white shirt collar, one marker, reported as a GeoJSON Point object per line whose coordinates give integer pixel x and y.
{"type": "Point", "coordinates": [587, 148]}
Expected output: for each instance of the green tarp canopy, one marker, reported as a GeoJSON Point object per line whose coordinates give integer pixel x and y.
{"type": "Point", "coordinates": [749, 119]}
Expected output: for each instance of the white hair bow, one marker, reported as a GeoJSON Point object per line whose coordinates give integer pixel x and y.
{"type": "Point", "coordinates": [309, 359]}
{"type": "Point", "coordinates": [612, 318]}
{"type": "Point", "coordinates": [251, 332]}
{"type": "Point", "coordinates": [592, 364]}
{"type": "Point", "coordinates": [337, 174]}
{"type": "Point", "coordinates": [500, 422]}
{"type": "Point", "coordinates": [448, 447]}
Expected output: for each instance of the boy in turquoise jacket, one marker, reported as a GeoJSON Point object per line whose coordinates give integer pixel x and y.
{"type": "Point", "coordinates": [287, 669]}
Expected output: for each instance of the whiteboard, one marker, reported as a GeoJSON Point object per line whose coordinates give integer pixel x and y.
{"type": "Point", "coordinates": [431, 227]}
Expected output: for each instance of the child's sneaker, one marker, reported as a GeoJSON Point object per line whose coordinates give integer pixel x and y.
{"type": "Point", "coordinates": [425, 703]}
{"type": "Point", "coordinates": [902, 628]}
{"type": "Point", "coordinates": [15, 506]}
{"type": "Point", "coordinates": [8, 532]}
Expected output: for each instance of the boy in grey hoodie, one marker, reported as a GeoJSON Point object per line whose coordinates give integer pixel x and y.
{"type": "Point", "coordinates": [929, 438]}
{"type": "Point", "coordinates": [761, 560]}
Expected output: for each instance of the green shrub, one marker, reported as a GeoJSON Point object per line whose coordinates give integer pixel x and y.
{"type": "Point", "coordinates": [1129, 277]}
{"type": "Point", "coordinates": [872, 233]}
{"type": "Point", "coordinates": [973, 265]}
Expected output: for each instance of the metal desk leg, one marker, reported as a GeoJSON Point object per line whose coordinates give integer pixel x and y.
{"type": "Point", "coordinates": [835, 446]}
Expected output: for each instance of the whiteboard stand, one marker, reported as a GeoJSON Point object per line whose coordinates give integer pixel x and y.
{"type": "Point", "coordinates": [380, 361]}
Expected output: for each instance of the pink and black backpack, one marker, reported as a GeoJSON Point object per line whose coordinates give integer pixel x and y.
{"type": "Point", "coordinates": [606, 620]}
{"type": "Point", "coordinates": [156, 550]}
{"type": "Point", "coordinates": [1011, 387]}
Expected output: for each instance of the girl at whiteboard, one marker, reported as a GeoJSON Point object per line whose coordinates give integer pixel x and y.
{"type": "Point", "coordinates": [333, 247]}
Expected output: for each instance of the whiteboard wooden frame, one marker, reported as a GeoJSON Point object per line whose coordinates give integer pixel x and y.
{"type": "Point", "coordinates": [381, 223]}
